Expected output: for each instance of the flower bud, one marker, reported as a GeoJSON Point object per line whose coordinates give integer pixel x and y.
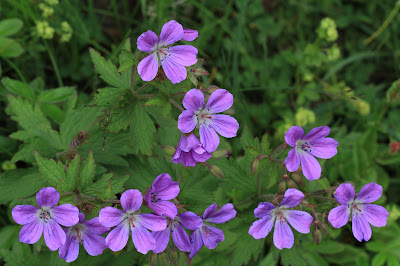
{"type": "Point", "coordinates": [220, 154]}
{"type": "Point", "coordinates": [8, 165]}
{"type": "Point", "coordinates": [291, 184]}
{"type": "Point", "coordinates": [282, 187]}
{"type": "Point", "coordinates": [169, 150]}
{"type": "Point", "coordinates": [215, 170]}
{"type": "Point", "coordinates": [317, 235]}
{"type": "Point", "coordinates": [254, 165]}
{"type": "Point", "coordinates": [394, 147]}
{"type": "Point", "coordinates": [297, 178]}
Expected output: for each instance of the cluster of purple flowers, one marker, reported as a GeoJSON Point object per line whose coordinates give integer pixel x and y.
{"type": "Point", "coordinates": [204, 117]}
{"type": "Point", "coordinates": [316, 143]}
{"type": "Point", "coordinates": [165, 221]}
{"type": "Point", "coordinates": [174, 60]}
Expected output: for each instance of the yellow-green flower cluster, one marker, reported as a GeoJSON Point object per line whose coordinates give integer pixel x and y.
{"type": "Point", "coordinates": [66, 31]}
{"type": "Point", "coordinates": [52, 2]}
{"type": "Point", "coordinates": [44, 30]}
{"type": "Point", "coordinates": [47, 11]}
{"type": "Point", "coordinates": [304, 117]}
{"type": "Point", "coordinates": [333, 53]}
{"type": "Point", "coordinates": [327, 30]}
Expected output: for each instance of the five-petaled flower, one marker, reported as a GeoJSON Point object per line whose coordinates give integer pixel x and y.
{"type": "Point", "coordinates": [209, 235]}
{"type": "Point", "coordinates": [209, 122]}
{"type": "Point", "coordinates": [362, 213]}
{"type": "Point", "coordinates": [162, 190]}
{"type": "Point", "coordinates": [131, 201]}
{"type": "Point", "coordinates": [306, 147]}
{"type": "Point", "coordinates": [283, 235]}
{"type": "Point", "coordinates": [190, 151]}
{"type": "Point", "coordinates": [188, 220]}
{"type": "Point", "coordinates": [86, 232]}
{"type": "Point", "coordinates": [174, 59]}
{"type": "Point", "coordinates": [45, 219]}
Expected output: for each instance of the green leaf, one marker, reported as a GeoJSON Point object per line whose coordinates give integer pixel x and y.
{"type": "Point", "coordinates": [327, 247]}
{"type": "Point", "coordinates": [10, 48]}
{"type": "Point", "coordinates": [33, 121]}
{"type": "Point", "coordinates": [52, 111]}
{"type": "Point", "coordinates": [56, 95]}
{"type": "Point", "coordinates": [10, 26]}
{"type": "Point", "coordinates": [109, 96]}
{"type": "Point", "coordinates": [246, 248]}
{"type": "Point", "coordinates": [379, 259]}
{"type": "Point", "coordinates": [18, 88]}
{"type": "Point", "coordinates": [71, 178]}
{"type": "Point", "coordinates": [19, 183]}
{"type": "Point", "coordinates": [76, 121]}
{"type": "Point", "coordinates": [88, 172]}
{"type": "Point", "coordinates": [265, 144]}
{"type": "Point", "coordinates": [108, 72]}
{"type": "Point", "coordinates": [121, 118]}
{"type": "Point", "coordinates": [52, 171]}
{"type": "Point", "coordinates": [126, 65]}
{"type": "Point", "coordinates": [142, 131]}
{"type": "Point", "coordinates": [98, 188]}
{"type": "Point", "coordinates": [293, 257]}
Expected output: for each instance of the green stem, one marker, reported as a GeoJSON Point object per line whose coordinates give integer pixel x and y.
{"type": "Point", "coordinates": [54, 63]}
{"type": "Point", "coordinates": [141, 88]}
{"type": "Point", "coordinates": [176, 105]}
{"type": "Point", "coordinates": [384, 24]}
{"type": "Point", "coordinates": [14, 66]}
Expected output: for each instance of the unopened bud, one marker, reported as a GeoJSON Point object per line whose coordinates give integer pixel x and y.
{"type": "Point", "coordinates": [254, 165]}
{"type": "Point", "coordinates": [8, 165]}
{"type": "Point", "coordinates": [394, 147]}
{"type": "Point", "coordinates": [317, 236]}
{"type": "Point", "coordinates": [220, 154]}
{"type": "Point", "coordinates": [282, 187]}
{"type": "Point", "coordinates": [291, 184]}
{"type": "Point", "coordinates": [169, 150]}
{"type": "Point", "coordinates": [215, 170]}
{"type": "Point", "coordinates": [297, 178]}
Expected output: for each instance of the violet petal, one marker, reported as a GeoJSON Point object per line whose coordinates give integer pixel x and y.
{"type": "Point", "coordinates": [261, 228]}
{"type": "Point", "coordinates": [24, 214]}
{"type": "Point", "coordinates": [66, 214]}
{"type": "Point", "coordinates": [283, 235]}
{"type": "Point", "coordinates": [47, 197]}
{"type": "Point", "coordinates": [292, 198]}
{"type": "Point", "coordinates": [299, 220]}
{"type": "Point", "coordinates": [162, 239]}
{"type": "Point", "coordinates": [293, 135]}
{"type": "Point", "coordinates": [339, 216]}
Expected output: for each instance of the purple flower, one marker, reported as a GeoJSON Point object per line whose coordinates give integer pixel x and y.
{"type": "Point", "coordinates": [131, 201]}
{"type": "Point", "coordinates": [190, 151]}
{"type": "Point", "coordinates": [306, 147]}
{"type": "Point", "coordinates": [47, 218]}
{"type": "Point", "coordinates": [219, 101]}
{"type": "Point", "coordinates": [362, 213]}
{"type": "Point", "coordinates": [162, 190]}
{"type": "Point", "coordinates": [86, 232]}
{"type": "Point", "coordinates": [283, 235]}
{"type": "Point", "coordinates": [190, 35]}
{"type": "Point", "coordinates": [188, 220]}
{"type": "Point", "coordinates": [208, 235]}
{"type": "Point", "coordinates": [173, 59]}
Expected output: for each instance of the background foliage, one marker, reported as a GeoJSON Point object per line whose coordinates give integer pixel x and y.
{"type": "Point", "coordinates": [281, 69]}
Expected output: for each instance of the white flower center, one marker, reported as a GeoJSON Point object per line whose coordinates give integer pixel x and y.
{"type": "Point", "coordinates": [279, 213]}
{"type": "Point", "coordinates": [355, 207]}
{"type": "Point", "coordinates": [204, 116]}
{"type": "Point", "coordinates": [302, 145]}
{"type": "Point", "coordinates": [131, 218]}
{"type": "Point", "coordinates": [77, 231]}
{"type": "Point", "coordinates": [44, 214]}
{"type": "Point", "coordinates": [161, 51]}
